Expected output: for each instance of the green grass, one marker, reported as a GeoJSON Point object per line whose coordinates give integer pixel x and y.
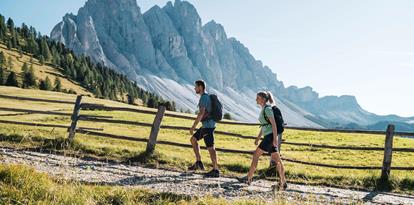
{"type": "Point", "coordinates": [23, 185]}
{"type": "Point", "coordinates": [178, 158]}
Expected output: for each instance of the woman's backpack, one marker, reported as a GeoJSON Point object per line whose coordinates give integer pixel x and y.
{"type": "Point", "coordinates": [280, 123]}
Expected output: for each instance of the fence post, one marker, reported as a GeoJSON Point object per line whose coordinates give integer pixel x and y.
{"type": "Point", "coordinates": [155, 129]}
{"type": "Point", "coordinates": [386, 165]}
{"type": "Point", "coordinates": [74, 118]}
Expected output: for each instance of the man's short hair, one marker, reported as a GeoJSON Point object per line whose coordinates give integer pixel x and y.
{"type": "Point", "coordinates": [201, 83]}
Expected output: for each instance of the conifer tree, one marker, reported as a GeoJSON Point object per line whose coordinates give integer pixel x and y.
{"type": "Point", "coordinates": [58, 85]}
{"type": "Point", "coordinates": [29, 79]}
{"type": "Point", "coordinates": [12, 80]}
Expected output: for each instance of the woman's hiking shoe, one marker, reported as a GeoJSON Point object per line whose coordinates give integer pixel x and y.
{"type": "Point", "coordinates": [280, 187]}
{"type": "Point", "coordinates": [245, 180]}
{"type": "Point", "coordinates": [212, 174]}
{"type": "Point", "coordinates": [196, 166]}
{"type": "Point", "coordinates": [284, 187]}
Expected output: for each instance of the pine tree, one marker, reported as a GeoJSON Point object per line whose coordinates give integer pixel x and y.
{"type": "Point", "coordinates": [12, 80]}
{"type": "Point", "coordinates": [20, 52]}
{"type": "Point", "coordinates": [10, 62]}
{"type": "Point", "coordinates": [45, 84]}
{"type": "Point", "coordinates": [55, 55]}
{"type": "Point", "coordinates": [29, 78]}
{"type": "Point", "coordinates": [13, 42]}
{"type": "Point", "coordinates": [97, 91]}
{"type": "Point", "coordinates": [167, 105]}
{"type": "Point", "coordinates": [227, 116]}
{"type": "Point", "coordinates": [10, 25]}
{"type": "Point", "coordinates": [1, 76]}
{"type": "Point", "coordinates": [25, 67]}
{"type": "Point", "coordinates": [48, 83]}
{"type": "Point", "coordinates": [16, 41]}
{"type": "Point", "coordinates": [42, 60]}
{"type": "Point", "coordinates": [42, 85]}
{"type": "Point", "coordinates": [151, 103]}
{"type": "Point", "coordinates": [131, 98]}
{"type": "Point", "coordinates": [174, 107]}
{"type": "Point", "coordinates": [9, 45]}
{"type": "Point", "coordinates": [45, 49]}
{"type": "Point", "coordinates": [31, 45]}
{"type": "Point", "coordinates": [3, 28]}
{"type": "Point", "coordinates": [2, 59]}
{"type": "Point", "coordinates": [58, 85]}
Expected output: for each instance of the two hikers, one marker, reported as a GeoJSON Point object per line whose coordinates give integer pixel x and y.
{"type": "Point", "coordinates": [269, 129]}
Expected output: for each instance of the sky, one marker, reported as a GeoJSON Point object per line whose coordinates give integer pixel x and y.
{"type": "Point", "coordinates": [363, 48]}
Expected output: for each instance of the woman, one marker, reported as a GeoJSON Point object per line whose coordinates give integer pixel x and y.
{"type": "Point", "coordinates": [270, 141]}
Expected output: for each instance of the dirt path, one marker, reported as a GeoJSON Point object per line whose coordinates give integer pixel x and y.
{"type": "Point", "coordinates": [185, 183]}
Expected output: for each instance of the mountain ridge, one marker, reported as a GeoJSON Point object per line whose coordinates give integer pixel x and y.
{"type": "Point", "coordinates": [171, 43]}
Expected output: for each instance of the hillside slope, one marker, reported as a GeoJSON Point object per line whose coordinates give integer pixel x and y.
{"type": "Point", "coordinates": [41, 71]}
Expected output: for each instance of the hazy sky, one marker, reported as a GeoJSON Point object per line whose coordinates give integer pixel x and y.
{"type": "Point", "coordinates": [357, 47]}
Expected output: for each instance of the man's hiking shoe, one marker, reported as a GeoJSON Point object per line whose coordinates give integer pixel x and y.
{"type": "Point", "coordinates": [196, 166]}
{"type": "Point", "coordinates": [212, 174]}
{"type": "Point", "coordinates": [245, 180]}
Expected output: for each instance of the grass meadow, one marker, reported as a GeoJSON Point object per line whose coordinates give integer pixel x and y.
{"type": "Point", "coordinates": [178, 158]}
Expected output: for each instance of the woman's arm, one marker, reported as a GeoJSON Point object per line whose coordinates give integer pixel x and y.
{"type": "Point", "coordinates": [256, 142]}
{"type": "Point", "coordinates": [274, 129]}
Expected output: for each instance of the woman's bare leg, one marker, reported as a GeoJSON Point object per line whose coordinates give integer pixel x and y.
{"type": "Point", "coordinates": [255, 160]}
{"type": "Point", "coordinates": [280, 168]}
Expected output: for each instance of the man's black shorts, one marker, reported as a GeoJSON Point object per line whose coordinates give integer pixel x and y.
{"type": "Point", "coordinates": [207, 134]}
{"type": "Point", "coordinates": [267, 144]}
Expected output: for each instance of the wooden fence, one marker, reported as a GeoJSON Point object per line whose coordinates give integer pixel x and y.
{"type": "Point", "coordinates": [156, 126]}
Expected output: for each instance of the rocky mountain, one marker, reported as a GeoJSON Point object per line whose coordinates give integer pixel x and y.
{"type": "Point", "coordinates": [166, 49]}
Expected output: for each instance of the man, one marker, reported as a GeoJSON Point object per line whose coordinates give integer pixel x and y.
{"type": "Point", "coordinates": [206, 131]}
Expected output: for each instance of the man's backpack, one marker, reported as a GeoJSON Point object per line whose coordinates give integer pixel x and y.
{"type": "Point", "coordinates": [216, 113]}
{"type": "Point", "coordinates": [216, 108]}
{"type": "Point", "coordinates": [280, 123]}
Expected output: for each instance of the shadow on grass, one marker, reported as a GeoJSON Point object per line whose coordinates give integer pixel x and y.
{"type": "Point", "coordinates": [236, 168]}
{"type": "Point", "coordinates": [148, 159]}
{"type": "Point", "coordinates": [392, 184]}
{"type": "Point", "coordinates": [42, 143]}
{"type": "Point", "coordinates": [11, 138]}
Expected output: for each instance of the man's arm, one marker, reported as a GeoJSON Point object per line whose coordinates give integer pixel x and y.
{"type": "Point", "coordinates": [200, 115]}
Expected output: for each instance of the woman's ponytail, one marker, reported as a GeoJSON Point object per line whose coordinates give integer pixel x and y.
{"type": "Point", "coordinates": [270, 97]}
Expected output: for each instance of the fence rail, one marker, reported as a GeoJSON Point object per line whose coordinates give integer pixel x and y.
{"type": "Point", "coordinates": [137, 110]}
{"type": "Point", "coordinates": [113, 136]}
{"type": "Point", "coordinates": [218, 132]}
{"type": "Point", "coordinates": [46, 125]}
{"type": "Point", "coordinates": [156, 125]}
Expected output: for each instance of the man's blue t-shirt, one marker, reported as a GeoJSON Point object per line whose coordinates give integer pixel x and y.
{"type": "Point", "coordinates": [205, 101]}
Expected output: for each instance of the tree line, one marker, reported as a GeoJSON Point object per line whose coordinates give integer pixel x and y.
{"type": "Point", "coordinates": [98, 79]}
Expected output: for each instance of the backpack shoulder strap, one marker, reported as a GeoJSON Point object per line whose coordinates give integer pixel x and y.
{"type": "Point", "coordinates": [264, 114]}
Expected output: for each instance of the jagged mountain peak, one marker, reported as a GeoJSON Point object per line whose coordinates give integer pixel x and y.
{"type": "Point", "coordinates": [119, 4]}
{"type": "Point", "coordinates": [155, 8]}
{"type": "Point", "coordinates": [216, 30]}
{"type": "Point", "coordinates": [185, 16]}
{"type": "Point", "coordinates": [167, 48]}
